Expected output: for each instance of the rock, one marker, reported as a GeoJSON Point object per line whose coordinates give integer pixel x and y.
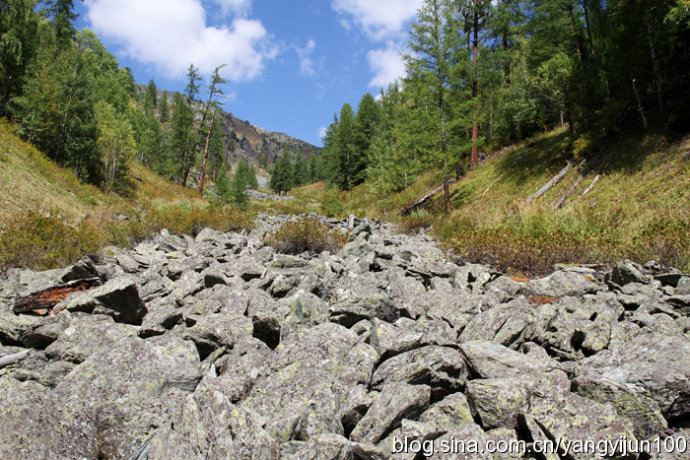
{"type": "Point", "coordinates": [13, 327]}
{"type": "Point", "coordinates": [118, 298]}
{"type": "Point", "coordinates": [441, 368]}
{"type": "Point", "coordinates": [451, 412]}
{"type": "Point", "coordinates": [311, 372]}
{"type": "Point", "coordinates": [567, 417]}
{"type": "Point", "coordinates": [467, 442]}
{"type": "Point", "coordinates": [489, 360]}
{"type": "Point", "coordinates": [405, 335]}
{"type": "Point", "coordinates": [34, 425]}
{"type": "Point", "coordinates": [211, 427]}
{"type": "Point", "coordinates": [497, 402]}
{"type": "Point", "coordinates": [561, 284]}
{"type": "Point", "coordinates": [629, 272]}
{"type": "Point", "coordinates": [87, 335]}
{"type": "Point", "coordinates": [217, 330]}
{"type": "Point", "coordinates": [503, 324]}
{"type": "Point", "coordinates": [322, 447]}
{"type": "Point", "coordinates": [396, 402]}
{"type": "Point", "coordinates": [654, 365]}
{"type": "Point", "coordinates": [358, 403]}
{"type": "Point", "coordinates": [129, 389]}
{"type": "Point", "coordinates": [683, 287]}
{"type": "Point", "coordinates": [641, 410]}
{"type": "Point", "coordinates": [82, 270]}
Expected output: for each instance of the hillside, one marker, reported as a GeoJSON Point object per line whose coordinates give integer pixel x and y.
{"type": "Point", "coordinates": [636, 204]}
{"type": "Point", "coordinates": [48, 217]}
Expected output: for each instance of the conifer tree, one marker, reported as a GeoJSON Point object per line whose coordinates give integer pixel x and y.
{"type": "Point", "coordinates": [182, 137]}
{"type": "Point", "coordinates": [281, 177]}
{"type": "Point", "coordinates": [62, 12]}
{"type": "Point", "coordinates": [151, 98]}
{"type": "Point", "coordinates": [366, 123]}
{"type": "Point", "coordinates": [164, 108]}
{"type": "Point", "coordinates": [345, 150]}
{"type": "Point", "coordinates": [252, 181]}
{"type": "Point", "coordinates": [239, 189]}
{"type": "Point", "coordinates": [301, 171]}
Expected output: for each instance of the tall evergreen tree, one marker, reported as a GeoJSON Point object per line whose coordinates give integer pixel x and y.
{"type": "Point", "coordinates": [252, 181]}
{"type": "Point", "coordinates": [182, 137]}
{"type": "Point", "coordinates": [345, 150]}
{"type": "Point", "coordinates": [301, 169]}
{"type": "Point", "coordinates": [18, 43]}
{"type": "Point", "coordinates": [151, 98]}
{"type": "Point", "coordinates": [193, 84]}
{"type": "Point", "coordinates": [62, 12]}
{"type": "Point", "coordinates": [366, 123]}
{"type": "Point", "coordinates": [164, 108]}
{"type": "Point", "coordinates": [281, 176]}
{"type": "Point", "coordinates": [239, 189]}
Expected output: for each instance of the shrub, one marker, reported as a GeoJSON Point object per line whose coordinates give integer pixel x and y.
{"type": "Point", "coordinates": [43, 242]}
{"type": "Point", "coordinates": [333, 205]}
{"type": "Point", "coordinates": [306, 235]}
{"type": "Point", "coordinates": [416, 221]}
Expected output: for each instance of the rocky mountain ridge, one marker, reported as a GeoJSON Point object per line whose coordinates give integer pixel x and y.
{"type": "Point", "coordinates": [217, 347]}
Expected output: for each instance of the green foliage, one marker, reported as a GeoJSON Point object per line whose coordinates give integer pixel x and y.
{"type": "Point", "coordinates": [116, 146]}
{"type": "Point", "coordinates": [182, 137]}
{"type": "Point", "coordinates": [151, 98]}
{"type": "Point", "coordinates": [193, 84]}
{"type": "Point", "coordinates": [18, 42]}
{"type": "Point", "coordinates": [238, 188]}
{"type": "Point", "coordinates": [332, 204]}
{"type": "Point", "coordinates": [301, 171]}
{"type": "Point", "coordinates": [306, 235]}
{"type": "Point", "coordinates": [282, 176]}
{"type": "Point", "coordinates": [56, 111]}
{"type": "Point", "coordinates": [252, 181]}
{"type": "Point", "coordinates": [164, 108]}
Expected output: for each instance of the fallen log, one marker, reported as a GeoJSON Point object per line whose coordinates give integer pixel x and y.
{"type": "Point", "coordinates": [11, 359]}
{"type": "Point", "coordinates": [550, 184]}
{"type": "Point", "coordinates": [571, 190]}
{"type": "Point", "coordinates": [591, 186]}
{"type": "Point", "coordinates": [48, 298]}
{"type": "Point", "coordinates": [407, 210]}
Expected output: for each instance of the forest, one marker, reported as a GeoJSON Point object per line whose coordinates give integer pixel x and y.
{"type": "Point", "coordinates": [482, 75]}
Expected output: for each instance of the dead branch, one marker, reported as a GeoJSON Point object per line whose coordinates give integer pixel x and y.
{"type": "Point", "coordinates": [407, 210]}
{"type": "Point", "coordinates": [550, 184]}
{"type": "Point", "coordinates": [571, 190]}
{"type": "Point", "coordinates": [48, 298]}
{"type": "Point", "coordinates": [11, 359]}
{"type": "Point", "coordinates": [591, 186]}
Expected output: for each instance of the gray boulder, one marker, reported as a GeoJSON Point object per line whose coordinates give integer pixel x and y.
{"type": "Point", "coordinates": [118, 298]}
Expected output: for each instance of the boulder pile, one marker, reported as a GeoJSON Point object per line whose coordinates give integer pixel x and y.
{"type": "Point", "coordinates": [217, 347]}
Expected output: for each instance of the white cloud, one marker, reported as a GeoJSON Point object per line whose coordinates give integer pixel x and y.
{"type": "Point", "coordinates": [380, 19]}
{"type": "Point", "coordinates": [322, 132]}
{"type": "Point", "coordinates": [388, 66]}
{"type": "Point", "coordinates": [171, 34]}
{"type": "Point", "coordinates": [306, 63]}
{"type": "Point", "coordinates": [237, 7]}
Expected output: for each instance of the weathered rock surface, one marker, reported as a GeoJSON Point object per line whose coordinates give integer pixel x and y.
{"type": "Point", "coordinates": [216, 347]}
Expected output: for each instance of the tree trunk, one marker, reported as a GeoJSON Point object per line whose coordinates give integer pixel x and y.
{"type": "Point", "coordinates": [657, 70]}
{"type": "Point", "coordinates": [506, 46]}
{"type": "Point", "coordinates": [202, 182]}
{"type": "Point", "coordinates": [639, 105]}
{"type": "Point", "coordinates": [592, 51]}
{"type": "Point", "coordinates": [446, 196]}
{"type": "Point", "coordinates": [550, 184]}
{"type": "Point", "coordinates": [475, 85]}
{"type": "Point", "coordinates": [579, 46]}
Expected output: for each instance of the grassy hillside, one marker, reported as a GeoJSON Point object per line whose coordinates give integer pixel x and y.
{"type": "Point", "coordinates": [48, 218]}
{"type": "Point", "coordinates": [639, 207]}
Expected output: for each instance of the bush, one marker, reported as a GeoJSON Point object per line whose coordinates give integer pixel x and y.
{"type": "Point", "coordinates": [333, 205]}
{"type": "Point", "coordinates": [43, 242]}
{"type": "Point", "coordinates": [306, 235]}
{"type": "Point", "coordinates": [416, 221]}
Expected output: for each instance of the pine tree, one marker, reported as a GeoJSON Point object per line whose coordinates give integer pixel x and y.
{"type": "Point", "coordinates": [301, 169]}
{"type": "Point", "coordinates": [117, 147]}
{"type": "Point", "coordinates": [366, 123]}
{"type": "Point", "coordinates": [18, 42]}
{"type": "Point", "coordinates": [346, 150]}
{"type": "Point", "coordinates": [314, 169]}
{"type": "Point", "coordinates": [252, 181]}
{"type": "Point", "coordinates": [223, 187]}
{"type": "Point", "coordinates": [193, 84]}
{"type": "Point", "coordinates": [239, 189]}
{"type": "Point", "coordinates": [435, 42]}
{"type": "Point", "coordinates": [281, 177]}
{"type": "Point", "coordinates": [151, 98]}
{"type": "Point", "coordinates": [62, 12]}
{"type": "Point", "coordinates": [163, 108]}
{"type": "Point", "coordinates": [182, 137]}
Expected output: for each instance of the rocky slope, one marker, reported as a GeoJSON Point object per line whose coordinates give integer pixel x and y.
{"type": "Point", "coordinates": [216, 347]}
{"type": "Point", "coordinates": [260, 146]}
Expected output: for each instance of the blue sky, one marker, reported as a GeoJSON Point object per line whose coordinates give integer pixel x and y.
{"type": "Point", "coordinates": [291, 63]}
